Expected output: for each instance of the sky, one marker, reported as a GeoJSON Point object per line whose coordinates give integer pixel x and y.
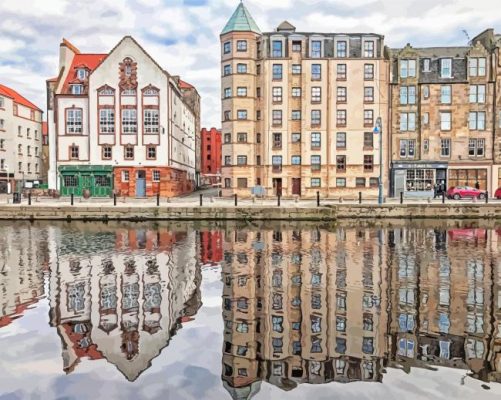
{"type": "Point", "coordinates": [183, 35]}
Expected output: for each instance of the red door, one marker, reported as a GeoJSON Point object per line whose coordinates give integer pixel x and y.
{"type": "Point", "coordinates": [296, 186]}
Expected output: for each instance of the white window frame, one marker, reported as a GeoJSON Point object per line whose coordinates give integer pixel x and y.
{"type": "Point", "coordinates": [129, 121]}
{"type": "Point", "coordinates": [151, 120]}
{"type": "Point", "coordinates": [446, 67]}
{"type": "Point", "coordinates": [74, 124]}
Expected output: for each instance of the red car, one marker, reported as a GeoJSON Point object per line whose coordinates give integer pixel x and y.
{"type": "Point", "coordinates": [497, 193]}
{"type": "Point", "coordinates": [462, 192]}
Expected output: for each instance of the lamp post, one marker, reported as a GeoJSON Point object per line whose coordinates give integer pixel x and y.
{"type": "Point", "coordinates": [6, 168]}
{"type": "Point", "coordinates": [378, 129]}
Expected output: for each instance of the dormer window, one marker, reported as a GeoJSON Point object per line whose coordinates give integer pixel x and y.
{"type": "Point", "coordinates": [128, 70]}
{"type": "Point", "coordinates": [81, 73]}
{"type": "Point", "coordinates": [76, 89]}
{"type": "Point", "coordinates": [446, 68]}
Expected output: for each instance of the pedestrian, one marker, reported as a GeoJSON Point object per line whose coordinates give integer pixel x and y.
{"type": "Point", "coordinates": [435, 190]}
{"type": "Point", "coordinates": [477, 185]}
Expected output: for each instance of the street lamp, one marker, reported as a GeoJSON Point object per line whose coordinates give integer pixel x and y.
{"type": "Point", "coordinates": [378, 129]}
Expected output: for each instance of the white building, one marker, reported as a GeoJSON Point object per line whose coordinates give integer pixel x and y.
{"type": "Point", "coordinates": [119, 121]}
{"type": "Point", "coordinates": [20, 140]}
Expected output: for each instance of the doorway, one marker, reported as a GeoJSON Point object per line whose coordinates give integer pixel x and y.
{"type": "Point", "coordinates": [277, 186]}
{"type": "Point", "coordinates": [141, 183]}
{"type": "Point", "coordinates": [296, 186]}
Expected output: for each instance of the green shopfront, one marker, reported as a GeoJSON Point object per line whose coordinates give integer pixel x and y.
{"type": "Point", "coordinates": [76, 179]}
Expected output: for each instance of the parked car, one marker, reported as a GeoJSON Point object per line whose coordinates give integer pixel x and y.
{"type": "Point", "coordinates": [462, 192]}
{"type": "Point", "coordinates": [497, 193]}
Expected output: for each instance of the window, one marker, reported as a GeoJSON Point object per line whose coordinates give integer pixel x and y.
{"type": "Point", "coordinates": [445, 121]}
{"type": "Point", "coordinates": [296, 46]}
{"type": "Point", "coordinates": [241, 91]}
{"type": "Point", "coordinates": [369, 72]}
{"type": "Point", "coordinates": [241, 45]}
{"type": "Point", "coordinates": [2, 123]}
{"type": "Point", "coordinates": [76, 89]}
{"type": "Point", "coordinates": [227, 138]}
{"type": "Point", "coordinates": [156, 175]}
{"type": "Point", "coordinates": [360, 182]}
{"type": "Point", "coordinates": [70, 180]}
{"type": "Point", "coordinates": [74, 152]}
{"type": "Point", "coordinates": [129, 120]}
{"type": "Point", "coordinates": [426, 65]}
{"type": "Point", "coordinates": [258, 138]}
{"type": "Point", "coordinates": [129, 152]}
{"type": "Point", "coordinates": [276, 162]}
{"type": "Point", "coordinates": [368, 94]}
{"type": "Point", "coordinates": [446, 94]}
{"type": "Point", "coordinates": [477, 120]}
{"type": "Point", "coordinates": [426, 145]}
{"type": "Point", "coordinates": [445, 147]}
{"type": "Point", "coordinates": [477, 93]}
{"type": "Point", "coordinates": [315, 140]}
{"type": "Point", "coordinates": [296, 160]}
{"type": "Point", "coordinates": [368, 140]}
{"type": "Point", "coordinates": [277, 72]}
{"type": "Point", "coordinates": [369, 49]}
{"type": "Point", "coordinates": [242, 183]}
{"type": "Point", "coordinates": [316, 117]}
{"type": "Point", "coordinates": [341, 49]}
{"type": "Point", "coordinates": [407, 68]}
{"type": "Point", "coordinates": [296, 92]}
{"type": "Point", "coordinates": [407, 148]}
{"type": "Point", "coordinates": [241, 68]}
{"type": "Point", "coordinates": [107, 153]}
{"type": "Point", "coordinates": [368, 345]}
{"type": "Point", "coordinates": [341, 117]}
{"type": "Point", "coordinates": [81, 73]}
{"type": "Point", "coordinates": [426, 118]}
{"type": "Point", "coordinates": [341, 140]}
{"type": "Point", "coordinates": [316, 72]}
{"type": "Point", "coordinates": [227, 93]}
{"type": "Point", "coordinates": [476, 66]}
{"type": "Point", "coordinates": [407, 122]}
{"type": "Point", "coordinates": [316, 94]}
{"type": "Point", "coordinates": [277, 94]}
{"type": "Point", "coordinates": [315, 163]}
{"type": "Point", "coordinates": [296, 115]}
{"type": "Point", "coordinates": [446, 68]}
{"type": "Point", "coordinates": [227, 160]}
{"type": "Point", "coordinates": [241, 160]}
{"type": "Point", "coordinates": [316, 49]}
{"type": "Point", "coordinates": [341, 72]}
{"type": "Point", "coordinates": [227, 70]}
{"type": "Point", "coordinates": [242, 137]}
{"type": "Point", "coordinates": [340, 163]}
{"type": "Point", "coordinates": [227, 115]}
{"type": "Point", "coordinates": [315, 182]}
{"type": "Point", "coordinates": [368, 163]}
{"type": "Point", "coordinates": [227, 47]}
{"type": "Point", "coordinates": [296, 137]}
{"type": "Point", "coordinates": [277, 48]}
{"type": "Point", "coordinates": [151, 152]}
{"type": "Point", "coordinates": [277, 140]}
{"type": "Point", "coordinates": [296, 69]}
{"type": "Point", "coordinates": [476, 147]}
{"type": "Point", "coordinates": [241, 114]}
{"type": "Point", "coordinates": [408, 95]}
{"type": "Point", "coordinates": [341, 95]}
{"type": "Point", "coordinates": [151, 121]}
{"type": "Point", "coordinates": [74, 120]}
{"type": "Point", "coordinates": [277, 117]}
{"type": "Point", "coordinates": [2, 102]}
{"type": "Point", "coordinates": [258, 115]}
{"type": "Point", "coordinates": [107, 120]}
{"type": "Point", "coordinates": [368, 118]}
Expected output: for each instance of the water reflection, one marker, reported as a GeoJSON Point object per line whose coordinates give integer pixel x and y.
{"type": "Point", "coordinates": [300, 304]}
{"type": "Point", "coordinates": [317, 306]}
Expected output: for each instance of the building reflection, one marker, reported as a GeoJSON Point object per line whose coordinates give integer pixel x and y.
{"type": "Point", "coordinates": [316, 306]}
{"type": "Point", "coordinates": [23, 263]}
{"type": "Point", "coordinates": [125, 296]}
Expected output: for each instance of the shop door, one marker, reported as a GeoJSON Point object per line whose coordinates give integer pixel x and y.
{"type": "Point", "coordinates": [141, 183]}
{"type": "Point", "coordinates": [296, 186]}
{"type": "Point", "coordinates": [86, 184]}
{"type": "Point", "coordinates": [277, 186]}
{"type": "Point", "coordinates": [399, 182]}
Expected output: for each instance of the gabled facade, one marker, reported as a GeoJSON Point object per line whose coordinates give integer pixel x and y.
{"type": "Point", "coordinates": [211, 155]}
{"type": "Point", "coordinates": [121, 123]}
{"type": "Point", "coordinates": [299, 109]}
{"type": "Point", "coordinates": [20, 141]}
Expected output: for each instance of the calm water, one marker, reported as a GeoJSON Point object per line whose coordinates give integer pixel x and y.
{"type": "Point", "coordinates": [184, 311]}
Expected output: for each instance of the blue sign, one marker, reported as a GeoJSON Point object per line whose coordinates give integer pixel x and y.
{"type": "Point", "coordinates": [376, 130]}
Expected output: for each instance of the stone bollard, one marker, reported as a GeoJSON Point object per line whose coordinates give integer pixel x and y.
{"type": "Point", "coordinates": [340, 200]}
{"type": "Point", "coordinates": [474, 199]}
{"type": "Point", "coordinates": [253, 198]}
{"type": "Point", "coordinates": [296, 198]}
{"type": "Point", "coordinates": [212, 199]}
{"type": "Point", "coordinates": [429, 200]}
{"type": "Point", "coordinates": [168, 199]}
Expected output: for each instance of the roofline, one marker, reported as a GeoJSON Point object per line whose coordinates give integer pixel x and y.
{"type": "Point", "coordinates": [325, 33]}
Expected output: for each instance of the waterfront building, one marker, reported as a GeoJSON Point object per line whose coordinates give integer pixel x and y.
{"type": "Point", "coordinates": [299, 109]}
{"type": "Point", "coordinates": [211, 155]}
{"type": "Point", "coordinates": [125, 305]}
{"type": "Point", "coordinates": [120, 122]}
{"type": "Point", "coordinates": [297, 312]}
{"type": "Point", "coordinates": [20, 141]}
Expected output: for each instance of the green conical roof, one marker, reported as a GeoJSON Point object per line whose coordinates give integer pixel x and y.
{"type": "Point", "coordinates": [242, 21]}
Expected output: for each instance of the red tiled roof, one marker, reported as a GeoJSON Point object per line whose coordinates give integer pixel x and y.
{"type": "Point", "coordinates": [184, 85]}
{"type": "Point", "coordinates": [17, 98]}
{"type": "Point", "coordinates": [45, 129]}
{"type": "Point", "coordinates": [91, 61]}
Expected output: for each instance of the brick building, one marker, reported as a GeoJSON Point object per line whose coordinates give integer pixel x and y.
{"type": "Point", "coordinates": [211, 155]}
{"type": "Point", "coordinates": [299, 109]}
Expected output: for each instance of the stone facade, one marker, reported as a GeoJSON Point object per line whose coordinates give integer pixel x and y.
{"type": "Point", "coordinates": [299, 110]}
{"type": "Point", "coordinates": [211, 155]}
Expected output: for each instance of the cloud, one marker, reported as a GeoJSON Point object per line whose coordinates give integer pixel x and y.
{"type": "Point", "coordinates": [183, 35]}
